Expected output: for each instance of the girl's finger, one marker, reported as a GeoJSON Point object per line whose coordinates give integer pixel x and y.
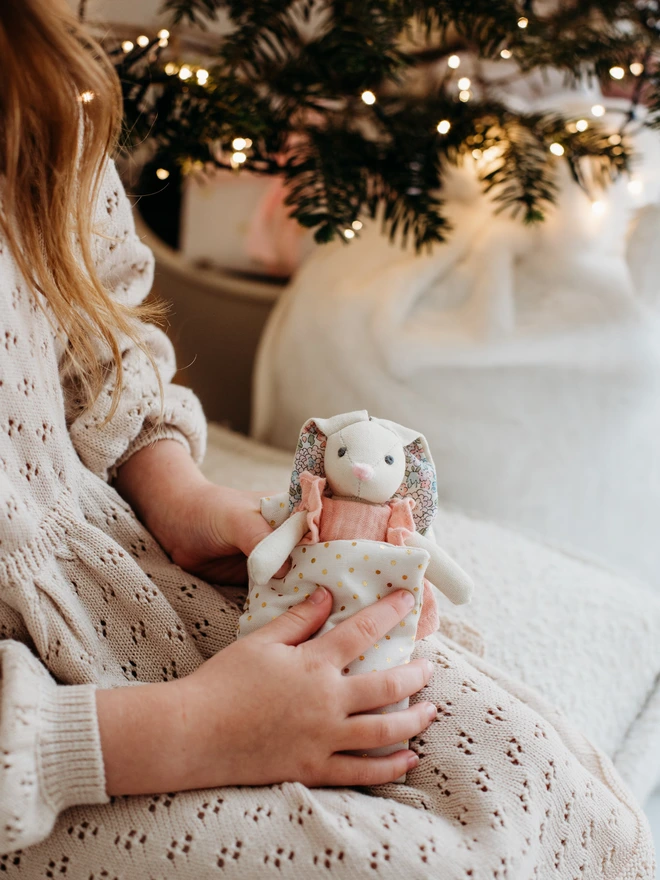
{"type": "Point", "coordinates": [372, 690]}
{"type": "Point", "coordinates": [352, 637]}
{"type": "Point", "coordinates": [388, 728]}
{"type": "Point", "coordinates": [299, 622]}
{"type": "Point", "coordinates": [351, 770]}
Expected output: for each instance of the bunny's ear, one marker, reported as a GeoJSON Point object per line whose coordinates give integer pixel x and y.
{"type": "Point", "coordinates": [419, 481]}
{"type": "Point", "coordinates": [309, 456]}
{"type": "Point", "coordinates": [338, 423]}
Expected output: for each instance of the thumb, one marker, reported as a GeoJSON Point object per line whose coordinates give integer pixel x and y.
{"type": "Point", "coordinates": [300, 622]}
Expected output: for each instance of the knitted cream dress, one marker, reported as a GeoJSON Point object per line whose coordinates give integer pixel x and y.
{"type": "Point", "coordinates": [504, 789]}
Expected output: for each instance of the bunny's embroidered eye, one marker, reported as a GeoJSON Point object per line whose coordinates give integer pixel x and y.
{"type": "Point", "coordinates": [341, 452]}
{"type": "Point", "coordinates": [389, 459]}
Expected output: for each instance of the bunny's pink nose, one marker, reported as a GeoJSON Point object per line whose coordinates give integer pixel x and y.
{"type": "Point", "coordinates": [363, 471]}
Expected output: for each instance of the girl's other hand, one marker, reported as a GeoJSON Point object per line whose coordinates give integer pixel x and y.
{"type": "Point", "coordinates": [206, 529]}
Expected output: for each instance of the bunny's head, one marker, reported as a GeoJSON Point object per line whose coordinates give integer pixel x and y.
{"type": "Point", "coordinates": [369, 459]}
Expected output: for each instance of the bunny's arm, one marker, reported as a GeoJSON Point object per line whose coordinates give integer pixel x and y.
{"type": "Point", "coordinates": [443, 572]}
{"type": "Point", "coordinates": [270, 554]}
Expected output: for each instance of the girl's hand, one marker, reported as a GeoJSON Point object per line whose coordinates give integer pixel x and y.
{"type": "Point", "coordinates": [206, 529]}
{"type": "Point", "coordinates": [270, 708]}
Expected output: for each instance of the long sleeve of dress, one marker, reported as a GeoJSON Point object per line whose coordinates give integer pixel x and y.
{"type": "Point", "coordinates": [50, 752]}
{"type": "Point", "coordinates": [126, 268]}
{"type": "Point", "coordinates": [77, 610]}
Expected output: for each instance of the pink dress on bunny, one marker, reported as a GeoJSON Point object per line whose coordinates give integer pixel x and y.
{"type": "Point", "coordinates": [340, 519]}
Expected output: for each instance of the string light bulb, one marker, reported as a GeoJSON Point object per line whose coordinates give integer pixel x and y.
{"type": "Point", "coordinates": [239, 157]}
{"type": "Point", "coordinates": [443, 126]}
{"type": "Point", "coordinates": [453, 61]}
{"type": "Point", "coordinates": [87, 96]}
{"type": "Point", "coordinates": [582, 125]}
{"type": "Point", "coordinates": [523, 22]}
{"type": "Point", "coordinates": [368, 97]}
{"type": "Point", "coordinates": [162, 173]}
{"type": "Point", "coordinates": [598, 208]}
{"type": "Point", "coordinates": [239, 143]}
{"type": "Point", "coordinates": [185, 73]}
{"type": "Point", "coordinates": [349, 234]}
{"type": "Point", "coordinates": [505, 53]}
{"type": "Point", "coordinates": [357, 225]}
{"type": "Point", "coordinates": [464, 96]}
{"type": "Point", "coordinates": [556, 149]}
{"type": "Point", "coordinates": [164, 34]}
{"type": "Point", "coordinates": [617, 72]}
{"type": "Point", "coordinates": [127, 46]}
{"type": "Point", "coordinates": [598, 110]}
{"type": "Point", "coordinates": [170, 68]}
{"type": "Point", "coordinates": [636, 68]}
{"type": "Point", "coordinates": [202, 76]}
{"type": "Point", "coordinates": [614, 139]}
{"type": "Point", "coordinates": [464, 83]}
{"type": "Point", "coordinates": [142, 41]}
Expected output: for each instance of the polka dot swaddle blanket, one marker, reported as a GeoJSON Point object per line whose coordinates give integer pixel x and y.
{"type": "Point", "coordinates": [357, 573]}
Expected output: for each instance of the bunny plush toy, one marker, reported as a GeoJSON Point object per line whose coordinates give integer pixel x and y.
{"type": "Point", "coordinates": [357, 520]}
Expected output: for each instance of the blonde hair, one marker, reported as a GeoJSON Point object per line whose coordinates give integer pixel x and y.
{"type": "Point", "coordinates": [52, 152]}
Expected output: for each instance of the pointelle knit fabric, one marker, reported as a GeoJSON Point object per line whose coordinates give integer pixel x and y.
{"type": "Point", "coordinates": [505, 788]}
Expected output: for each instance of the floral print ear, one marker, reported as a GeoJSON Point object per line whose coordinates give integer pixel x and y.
{"type": "Point", "coordinates": [420, 484]}
{"type": "Point", "coordinates": [309, 457]}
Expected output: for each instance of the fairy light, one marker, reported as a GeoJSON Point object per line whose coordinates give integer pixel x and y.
{"type": "Point", "coordinates": [162, 173]}
{"type": "Point", "coordinates": [505, 53]}
{"type": "Point", "coordinates": [598, 110]}
{"type": "Point", "coordinates": [349, 234]}
{"type": "Point", "coordinates": [357, 225]}
{"type": "Point", "coordinates": [163, 42]}
{"type": "Point", "coordinates": [614, 139]}
{"type": "Point", "coordinates": [556, 149]}
{"type": "Point", "coordinates": [239, 143]}
{"type": "Point", "coordinates": [170, 68]}
{"type": "Point", "coordinates": [164, 34]}
{"type": "Point", "coordinates": [464, 96]}
{"type": "Point", "coordinates": [239, 157]}
{"type": "Point", "coordinates": [443, 126]}
{"type": "Point", "coordinates": [87, 96]}
{"type": "Point", "coordinates": [185, 73]}
{"type": "Point", "coordinates": [523, 22]}
{"type": "Point", "coordinates": [635, 187]}
{"type": "Point", "coordinates": [202, 76]}
{"type": "Point", "coordinates": [453, 61]}
{"type": "Point", "coordinates": [464, 83]}
{"type": "Point", "coordinates": [142, 41]}
{"type": "Point", "coordinates": [598, 208]}
{"type": "Point", "coordinates": [617, 72]}
{"type": "Point", "coordinates": [127, 46]}
{"type": "Point", "coordinates": [476, 154]}
{"type": "Point", "coordinates": [582, 125]}
{"type": "Point", "coordinates": [636, 68]}
{"type": "Point", "coordinates": [491, 153]}
{"type": "Point", "coordinates": [368, 97]}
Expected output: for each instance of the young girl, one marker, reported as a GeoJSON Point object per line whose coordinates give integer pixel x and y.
{"type": "Point", "coordinates": [87, 413]}
{"type": "Point", "coordinates": [94, 599]}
